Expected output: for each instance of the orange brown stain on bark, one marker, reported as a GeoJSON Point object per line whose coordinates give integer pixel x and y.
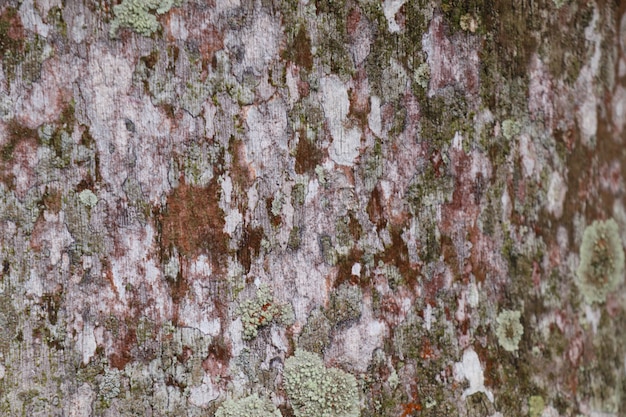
{"type": "Point", "coordinates": [308, 155]}
{"type": "Point", "coordinates": [240, 171]}
{"type": "Point", "coordinates": [216, 364]}
{"type": "Point", "coordinates": [409, 408]}
{"type": "Point", "coordinates": [123, 346]}
{"type": "Point", "coordinates": [427, 351]}
{"type": "Point", "coordinates": [478, 264]}
{"type": "Point", "coordinates": [108, 276]}
{"type": "Point", "coordinates": [344, 270]}
{"type": "Point", "coordinates": [205, 39]}
{"type": "Point", "coordinates": [359, 98]}
{"type": "Point", "coordinates": [375, 209]}
{"type": "Point", "coordinates": [397, 253]}
{"type": "Point", "coordinates": [275, 220]}
{"type": "Point", "coordinates": [250, 246]}
{"type": "Point", "coordinates": [193, 222]}
{"type": "Point", "coordinates": [352, 21]}
{"type": "Point", "coordinates": [300, 51]}
{"type": "Point", "coordinates": [36, 241]}
{"type": "Point", "coordinates": [52, 200]}
{"type": "Point", "coordinates": [490, 364]}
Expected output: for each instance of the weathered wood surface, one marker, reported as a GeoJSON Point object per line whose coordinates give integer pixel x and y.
{"type": "Point", "coordinates": [347, 207]}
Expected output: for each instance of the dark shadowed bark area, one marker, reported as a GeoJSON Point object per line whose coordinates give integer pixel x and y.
{"type": "Point", "coordinates": [312, 208]}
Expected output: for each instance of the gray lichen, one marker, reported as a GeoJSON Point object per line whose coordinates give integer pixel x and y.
{"type": "Point", "coordinates": [251, 406]}
{"type": "Point", "coordinates": [509, 329]}
{"type": "Point", "coordinates": [317, 391]}
{"type": "Point", "coordinates": [137, 15]}
{"type": "Point", "coordinates": [261, 311]}
{"type": "Point", "coordinates": [601, 267]}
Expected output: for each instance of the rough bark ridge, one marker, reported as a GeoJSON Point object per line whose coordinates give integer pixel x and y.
{"type": "Point", "coordinates": [343, 207]}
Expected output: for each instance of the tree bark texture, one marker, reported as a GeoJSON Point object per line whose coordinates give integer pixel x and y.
{"type": "Point", "coordinates": [312, 208]}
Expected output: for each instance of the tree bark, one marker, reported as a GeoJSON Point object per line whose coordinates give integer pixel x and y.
{"type": "Point", "coordinates": [343, 207]}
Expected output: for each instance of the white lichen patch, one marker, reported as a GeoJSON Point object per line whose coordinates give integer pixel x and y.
{"type": "Point", "coordinates": [601, 267]}
{"type": "Point", "coordinates": [88, 198]}
{"type": "Point", "coordinates": [390, 8]}
{"type": "Point", "coordinates": [422, 75]}
{"type": "Point", "coordinates": [205, 393]}
{"type": "Point", "coordinates": [557, 190]}
{"type": "Point", "coordinates": [509, 329]}
{"type": "Point", "coordinates": [346, 141]}
{"type": "Point", "coordinates": [470, 369]}
{"type": "Point", "coordinates": [510, 128]}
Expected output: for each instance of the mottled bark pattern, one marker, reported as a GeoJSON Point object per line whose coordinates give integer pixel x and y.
{"type": "Point", "coordinates": [389, 197]}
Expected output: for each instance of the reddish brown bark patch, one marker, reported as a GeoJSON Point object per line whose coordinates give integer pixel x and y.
{"type": "Point", "coordinates": [123, 347]}
{"type": "Point", "coordinates": [18, 150]}
{"type": "Point", "coordinates": [217, 362]}
{"type": "Point", "coordinates": [205, 40]}
{"type": "Point", "coordinates": [52, 200]}
{"type": "Point", "coordinates": [299, 51]}
{"type": "Point", "coordinates": [16, 133]}
{"type": "Point", "coordinates": [194, 223]}
{"type": "Point", "coordinates": [397, 253]}
{"type": "Point", "coordinates": [359, 98]}
{"type": "Point", "coordinates": [308, 156]}
{"type": "Point", "coordinates": [250, 246]}
{"type": "Point", "coordinates": [345, 264]}
{"type": "Point", "coordinates": [375, 209]}
{"type": "Point", "coordinates": [240, 170]}
{"type": "Point", "coordinates": [11, 31]}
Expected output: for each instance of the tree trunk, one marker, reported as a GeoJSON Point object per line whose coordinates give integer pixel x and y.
{"type": "Point", "coordinates": [312, 208]}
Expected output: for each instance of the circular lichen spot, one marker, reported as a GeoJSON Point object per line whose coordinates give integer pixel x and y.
{"type": "Point", "coordinates": [601, 267]}
{"type": "Point", "coordinates": [317, 391]}
{"type": "Point", "coordinates": [251, 406]}
{"type": "Point", "coordinates": [509, 329]}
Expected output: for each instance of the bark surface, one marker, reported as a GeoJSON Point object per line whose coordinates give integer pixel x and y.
{"type": "Point", "coordinates": [344, 207]}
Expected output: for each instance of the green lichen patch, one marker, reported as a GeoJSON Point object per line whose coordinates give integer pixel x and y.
{"type": "Point", "coordinates": [251, 406]}
{"type": "Point", "coordinates": [262, 310]}
{"type": "Point", "coordinates": [88, 237]}
{"type": "Point", "coordinates": [511, 128]}
{"type": "Point", "coordinates": [11, 39]}
{"type": "Point", "coordinates": [567, 47]}
{"type": "Point", "coordinates": [345, 304]}
{"type": "Point", "coordinates": [403, 47]}
{"type": "Point", "coordinates": [445, 115]}
{"type": "Point", "coordinates": [138, 15]}
{"type": "Point", "coordinates": [328, 251]}
{"type": "Point", "coordinates": [317, 391]}
{"type": "Point", "coordinates": [315, 335]}
{"type": "Point", "coordinates": [295, 238]}
{"type": "Point", "coordinates": [299, 49]}
{"type": "Point", "coordinates": [55, 19]}
{"type": "Point", "coordinates": [536, 405]}
{"type": "Point", "coordinates": [11, 32]}
{"type": "Point", "coordinates": [58, 137]}
{"type": "Point", "coordinates": [109, 386]}
{"type": "Point", "coordinates": [16, 134]}
{"type": "Point", "coordinates": [331, 49]}
{"type": "Point", "coordinates": [601, 378]}
{"type": "Point", "coordinates": [601, 268]}
{"type": "Point", "coordinates": [509, 330]}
